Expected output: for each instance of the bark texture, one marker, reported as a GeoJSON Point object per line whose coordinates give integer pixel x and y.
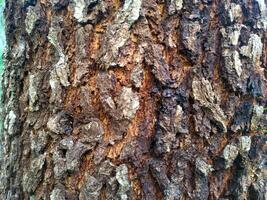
{"type": "Point", "coordinates": [134, 99]}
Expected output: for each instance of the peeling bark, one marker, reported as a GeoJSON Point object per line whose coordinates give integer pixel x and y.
{"type": "Point", "coordinates": [134, 99]}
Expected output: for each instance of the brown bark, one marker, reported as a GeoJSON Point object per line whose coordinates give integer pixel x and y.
{"type": "Point", "coordinates": [134, 99]}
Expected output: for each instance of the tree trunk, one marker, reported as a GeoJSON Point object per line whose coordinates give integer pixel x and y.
{"type": "Point", "coordinates": [134, 99]}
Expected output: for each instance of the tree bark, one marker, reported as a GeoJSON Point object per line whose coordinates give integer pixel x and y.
{"type": "Point", "coordinates": [134, 99]}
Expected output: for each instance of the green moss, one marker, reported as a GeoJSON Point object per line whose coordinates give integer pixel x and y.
{"type": "Point", "coordinates": [2, 41]}
{"type": "Point", "coordinates": [2, 34]}
{"type": "Point", "coordinates": [2, 46]}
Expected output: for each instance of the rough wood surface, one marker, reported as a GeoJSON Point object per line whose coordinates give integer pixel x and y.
{"type": "Point", "coordinates": [134, 99]}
